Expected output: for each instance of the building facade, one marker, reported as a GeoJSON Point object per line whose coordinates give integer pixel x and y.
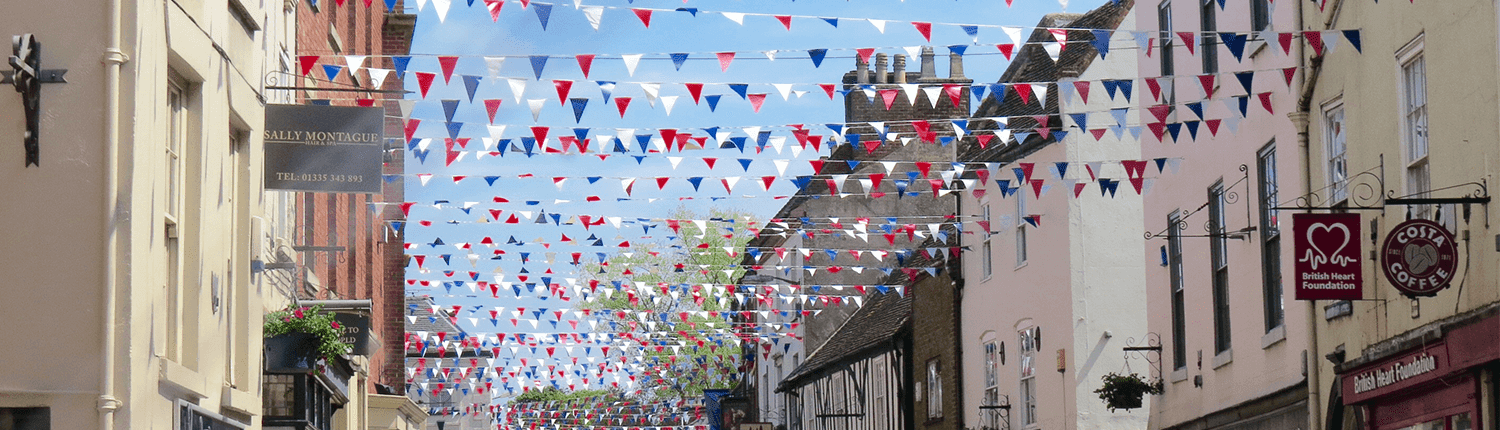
{"type": "Point", "coordinates": [1050, 301]}
{"type": "Point", "coordinates": [1233, 340]}
{"type": "Point", "coordinates": [148, 182]}
{"type": "Point", "coordinates": [1411, 116]}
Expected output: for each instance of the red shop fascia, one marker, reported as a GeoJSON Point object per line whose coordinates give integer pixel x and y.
{"type": "Point", "coordinates": [1430, 374]}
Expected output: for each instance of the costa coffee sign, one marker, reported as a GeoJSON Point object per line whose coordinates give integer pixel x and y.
{"type": "Point", "coordinates": [1419, 257]}
{"type": "Point", "coordinates": [1327, 249]}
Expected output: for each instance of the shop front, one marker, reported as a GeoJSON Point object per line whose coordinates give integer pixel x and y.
{"type": "Point", "coordinates": [1429, 379]}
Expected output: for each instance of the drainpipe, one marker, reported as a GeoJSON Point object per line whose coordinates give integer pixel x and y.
{"type": "Point", "coordinates": [1309, 82]}
{"type": "Point", "coordinates": [113, 61]}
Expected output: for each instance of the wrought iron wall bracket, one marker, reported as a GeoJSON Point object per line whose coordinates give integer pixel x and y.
{"type": "Point", "coordinates": [27, 76]}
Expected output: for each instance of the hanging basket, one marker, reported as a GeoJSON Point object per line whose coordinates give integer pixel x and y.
{"type": "Point", "coordinates": [293, 352]}
{"type": "Point", "coordinates": [1126, 391]}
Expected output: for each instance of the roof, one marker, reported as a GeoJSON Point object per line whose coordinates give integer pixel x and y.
{"type": "Point", "coordinates": [421, 307]}
{"type": "Point", "coordinates": [1033, 64]}
{"type": "Point", "coordinates": [873, 325]}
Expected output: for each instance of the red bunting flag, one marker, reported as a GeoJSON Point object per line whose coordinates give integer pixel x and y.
{"type": "Point", "coordinates": [817, 166]}
{"type": "Point", "coordinates": [954, 91]}
{"type": "Point", "coordinates": [1083, 89]}
{"type": "Point", "coordinates": [1024, 91]}
{"type": "Point", "coordinates": [865, 53]}
{"type": "Point", "coordinates": [644, 15]}
{"type": "Point", "coordinates": [828, 88]}
{"type": "Point", "coordinates": [494, 7]}
{"type": "Point", "coordinates": [1006, 49]}
{"type": "Point", "coordinates": [563, 87]}
{"type": "Point", "coordinates": [411, 128]}
{"type": "Point", "coordinates": [724, 59]}
{"type": "Point", "coordinates": [1286, 42]}
{"type": "Point", "coordinates": [447, 62]}
{"type": "Point", "coordinates": [786, 20]}
{"type": "Point", "coordinates": [307, 62]}
{"type": "Point", "coordinates": [1187, 40]}
{"type": "Point", "coordinates": [621, 103]}
{"type": "Point", "coordinates": [925, 28]}
{"type": "Point", "coordinates": [491, 106]}
{"type": "Point", "coordinates": [424, 81]}
{"type": "Point", "coordinates": [585, 62]}
{"type": "Point", "coordinates": [756, 100]}
{"type": "Point", "coordinates": [695, 90]}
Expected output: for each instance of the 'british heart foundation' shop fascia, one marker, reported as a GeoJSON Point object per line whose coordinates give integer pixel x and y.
{"type": "Point", "coordinates": [1428, 379]}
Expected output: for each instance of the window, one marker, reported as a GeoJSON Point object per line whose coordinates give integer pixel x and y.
{"type": "Point", "coordinates": [989, 417]}
{"type": "Point", "coordinates": [1336, 136]}
{"type": "Point", "coordinates": [1270, 238]}
{"type": "Point", "coordinates": [934, 390]}
{"type": "Point", "coordinates": [1164, 39]}
{"type": "Point", "coordinates": [1218, 250]}
{"type": "Point", "coordinates": [26, 418]}
{"type": "Point", "coordinates": [1208, 39]}
{"type": "Point", "coordinates": [1020, 229]}
{"type": "Point", "coordinates": [987, 258]}
{"type": "Point", "coordinates": [179, 119]}
{"type": "Point", "coordinates": [1030, 340]}
{"type": "Point", "coordinates": [1260, 15]}
{"type": "Point", "coordinates": [1179, 317]}
{"type": "Point", "coordinates": [1414, 124]}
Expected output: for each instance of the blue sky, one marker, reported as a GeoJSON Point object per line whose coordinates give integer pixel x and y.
{"type": "Point", "coordinates": [468, 32]}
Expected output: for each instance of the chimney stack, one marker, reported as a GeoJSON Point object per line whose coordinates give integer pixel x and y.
{"type": "Point", "coordinates": [880, 70]}
{"type": "Point", "coordinates": [862, 70]}
{"type": "Point", "coordinates": [900, 68]}
{"type": "Point", "coordinates": [955, 66]}
{"type": "Point", "coordinates": [928, 69]}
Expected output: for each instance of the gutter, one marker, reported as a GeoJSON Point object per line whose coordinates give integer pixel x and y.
{"type": "Point", "coordinates": [113, 60]}
{"type": "Point", "coordinates": [1312, 68]}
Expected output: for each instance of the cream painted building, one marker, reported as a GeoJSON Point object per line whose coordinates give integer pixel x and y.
{"type": "Point", "coordinates": [1413, 116]}
{"type": "Point", "coordinates": [1049, 304]}
{"type": "Point", "coordinates": [137, 274]}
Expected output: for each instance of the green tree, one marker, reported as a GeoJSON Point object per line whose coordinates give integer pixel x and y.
{"type": "Point", "coordinates": [694, 257]}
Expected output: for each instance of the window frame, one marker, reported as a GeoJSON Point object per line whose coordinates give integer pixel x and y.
{"type": "Point", "coordinates": [1028, 344]}
{"type": "Point", "coordinates": [934, 389]}
{"type": "Point", "coordinates": [1164, 39]}
{"type": "Point", "coordinates": [1219, 266]}
{"type": "Point", "coordinates": [1416, 132]}
{"type": "Point", "coordinates": [1178, 292]}
{"type": "Point", "coordinates": [1208, 38]}
{"type": "Point", "coordinates": [1336, 151]}
{"type": "Point", "coordinates": [1267, 193]}
{"type": "Point", "coordinates": [1260, 15]}
{"type": "Point", "coordinates": [987, 257]}
{"type": "Point", "coordinates": [1022, 247]}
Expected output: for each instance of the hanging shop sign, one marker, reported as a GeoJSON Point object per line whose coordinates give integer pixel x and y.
{"type": "Point", "coordinates": [355, 330]}
{"type": "Point", "coordinates": [1419, 257]}
{"type": "Point", "coordinates": [1327, 249]}
{"type": "Point", "coordinates": [324, 148]}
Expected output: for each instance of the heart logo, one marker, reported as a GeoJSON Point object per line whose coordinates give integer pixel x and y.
{"type": "Point", "coordinates": [1332, 236]}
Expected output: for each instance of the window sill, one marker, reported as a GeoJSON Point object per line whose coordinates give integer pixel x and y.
{"type": "Point", "coordinates": [1273, 337]}
{"type": "Point", "coordinates": [1178, 375]}
{"type": "Point", "coordinates": [240, 401]}
{"type": "Point", "coordinates": [182, 377]}
{"type": "Point", "coordinates": [1023, 265]}
{"type": "Point", "coordinates": [1223, 358]}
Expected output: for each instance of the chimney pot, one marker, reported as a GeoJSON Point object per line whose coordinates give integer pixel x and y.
{"type": "Point", "coordinates": [955, 66]}
{"type": "Point", "coordinates": [880, 70]}
{"type": "Point", "coordinates": [900, 68]}
{"type": "Point", "coordinates": [928, 69]}
{"type": "Point", "coordinates": [861, 70]}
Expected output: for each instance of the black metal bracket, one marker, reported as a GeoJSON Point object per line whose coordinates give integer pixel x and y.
{"type": "Point", "coordinates": [1230, 196]}
{"type": "Point", "coordinates": [48, 76]}
{"type": "Point", "coordinates": [1150, 344]}
{"type": "Point", "coordinates": [28, 77]}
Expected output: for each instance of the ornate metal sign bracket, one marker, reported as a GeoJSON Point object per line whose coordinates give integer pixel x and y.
{"type": "Point", "coordinates": [28, 77]}
{"type": "Point", "coordinates": [1230, 196]}
{"type": "Point", "coordinates": [1151, 347]}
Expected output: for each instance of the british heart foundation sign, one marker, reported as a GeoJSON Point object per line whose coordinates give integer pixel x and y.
{"type": "Point", "coordinates": [1419, 257]}
{"type": "Point", "coordinates": [1327, 251]}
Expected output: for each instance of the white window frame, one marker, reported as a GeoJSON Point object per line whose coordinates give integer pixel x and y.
{"type": "Point", "coordinates": [934, 389]}
{"type": "Point", "coordinates": [1027, 347]}
{"type": "Point", "coordinates": [1336, 150]}
{"type": "Point", "coordinates": [1411, 66]}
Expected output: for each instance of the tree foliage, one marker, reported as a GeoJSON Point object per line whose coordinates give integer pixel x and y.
{"type": "Point", "coordinates": [665, 280]}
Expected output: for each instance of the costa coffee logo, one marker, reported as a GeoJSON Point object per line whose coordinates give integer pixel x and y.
{"type": "Point", "coordinates": [1419, 257]}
